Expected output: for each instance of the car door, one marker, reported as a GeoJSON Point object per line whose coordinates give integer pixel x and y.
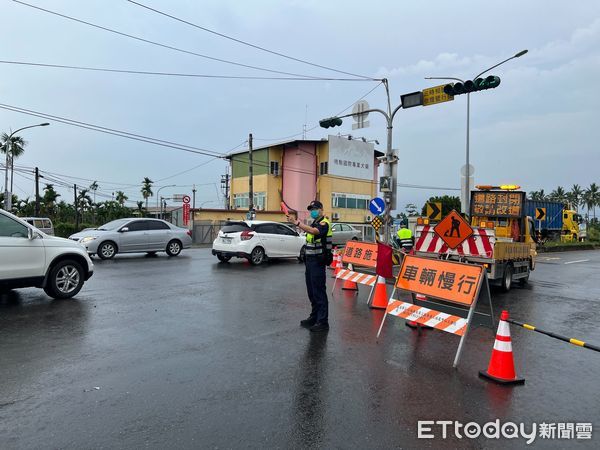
{"type": "Point", "coordinates": [159, 234]}
{"type": "Point", "coordinates": [348, 232]}
{"type": "Point", "coordinates": [288, 239]}
{"type": "Point", "coordinates": [337, 237]}
{"type": "Point", "coordinates": [21, 257]}
{"type": "Point", "coordinates": [134, 236]}
{"type": "Point", "coordinates": [269, 239]}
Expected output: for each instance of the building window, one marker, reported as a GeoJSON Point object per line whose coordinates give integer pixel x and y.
{"type": "Point", "coordinates": [274, 168]}
{"type": "Point", "coordinates": [350, 201]}
{"type": "Point", "coordinates": [323, 168]}
{"type": "Point", "coordinates": [241, 200]}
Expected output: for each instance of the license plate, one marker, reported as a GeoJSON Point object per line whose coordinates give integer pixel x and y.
{"type": "Point", "coordinates": [226, 240]}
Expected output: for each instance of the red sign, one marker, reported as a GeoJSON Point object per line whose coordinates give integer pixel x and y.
{"type": "Point", "coordinates": [186, 199]}
{"type": "Point", "coordinates": [453, 229]}
{"type": "Point", "coordinates": [186, 213]}
{"type": "Point", "coordinates": [360, 254]}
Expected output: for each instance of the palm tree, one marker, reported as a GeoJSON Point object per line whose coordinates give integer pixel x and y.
{"type": "Point", "coordinates": [147, 189]}
{"type": "Point", "coordinates": [558, 195]}
{"type": "Point", "coordinates": [592, 198]}
{"type": "Point", "coordinates": [17, 148]}
{"type": "Point", "coordinates": [94, 187]}
{"type": "Point", "coordinates": [538, 195]}
{"type": "Point", "coordinates": [140, 206]}
{"type": "Point", "coordinates": [121, 198]}
{"type": "Point", "coordinates": [575, 196]}
{"type": "Point", "coordinates": [49, 198]}
{"type": "Point", "coordinates": [84, 201]}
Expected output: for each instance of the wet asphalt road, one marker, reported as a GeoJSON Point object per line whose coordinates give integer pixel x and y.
{"type": "Point", "coordinates": [188, 353]}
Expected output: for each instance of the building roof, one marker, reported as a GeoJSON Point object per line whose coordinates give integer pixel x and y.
{"type": "Point", "coordinates": [290, 142]}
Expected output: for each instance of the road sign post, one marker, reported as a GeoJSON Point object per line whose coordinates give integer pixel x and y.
{"type": "Point", "coordinates": [434, 210]}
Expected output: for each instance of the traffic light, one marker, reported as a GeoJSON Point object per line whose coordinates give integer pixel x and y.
{"type": "Point", "coordinates": [331, 122]}
{"type": "Point", "coordinates": [479, 84]}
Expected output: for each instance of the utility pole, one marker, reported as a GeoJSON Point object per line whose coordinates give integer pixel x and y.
{"type": "Point", "coordinates": [193, 209]}
{"type": "Point", "coordinates": [76, 209]}
{"type": "Point", "coordinates": [225, 188]}
{"type": "Point", "coordinates": [250, 177]}
{"type": "Point", "coordinates": [37, 192]}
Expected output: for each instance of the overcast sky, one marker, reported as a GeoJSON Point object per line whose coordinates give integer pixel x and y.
{"type": "Point", "coordinates": [539, 128]}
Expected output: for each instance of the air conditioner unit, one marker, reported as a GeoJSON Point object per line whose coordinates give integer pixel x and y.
{"type": "Point", "coordinates": [335, 216]}
{"type": "Point", "coordinates": [368, 218]}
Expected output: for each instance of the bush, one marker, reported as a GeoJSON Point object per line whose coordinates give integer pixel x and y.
{"type": "Point", "coordinates": [593, 233]}
{"type": "Point", "coordinates": [65, 229]}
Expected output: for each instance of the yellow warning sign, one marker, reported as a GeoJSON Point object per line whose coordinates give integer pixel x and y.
{"type": "Point", "coordinates": [436, 94]}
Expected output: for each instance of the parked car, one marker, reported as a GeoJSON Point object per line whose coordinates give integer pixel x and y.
{"type": "Point", "coordinates": [31, 258]}
{"type": "Point", "coordinates": [43, 224]}
{"type": "Point", "coordinates": [343, 233]}
{"type": "Point", "coordinates": [134, 235]}
{"type": "Point", "coordinates": [258, 241]}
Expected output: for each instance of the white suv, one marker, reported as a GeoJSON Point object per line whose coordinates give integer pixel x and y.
{"type": "Point", "coordinates": [30, 258]}
{"type": "Point", "coordinates": [258, 241]}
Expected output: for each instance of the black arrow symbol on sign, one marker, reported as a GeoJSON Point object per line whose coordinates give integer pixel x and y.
{"type": "Point", "coordinates": [540, 214]}
{"type": "Point", "coordinates": [435, 211]}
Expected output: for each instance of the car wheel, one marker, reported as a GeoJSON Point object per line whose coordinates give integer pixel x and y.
{"type": "Point", "coordinates": [507, 278]}
{"type": "Point", "coordinates": [65, 280]}
{"type": "Point", "coordinates": [107, 250]}
{"type": "Point", "coordinates": [257, 256]}
{"type": "Point", "coordinates": [223, 258]}
{"type": "Point", "coordinates": [174, 248]}
{"type": "Point", "coordinates": [302, 254]}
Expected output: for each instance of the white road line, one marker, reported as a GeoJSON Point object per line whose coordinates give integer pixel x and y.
{"type": "Point", "coordinates": [573, 262]}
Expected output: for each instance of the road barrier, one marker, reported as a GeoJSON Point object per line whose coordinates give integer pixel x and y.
{"type": "Point", "coordinates": [573, 341]}
{"type": "Point", "coordinates": [357, 253]}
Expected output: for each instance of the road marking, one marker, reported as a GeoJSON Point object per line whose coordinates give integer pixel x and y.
{"type": "Point", "coordinates": [578, 261]}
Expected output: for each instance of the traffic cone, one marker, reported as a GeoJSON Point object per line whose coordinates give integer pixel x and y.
{"type": "Point", "coordinates": [350, 285]}
{"type": "Point", "coordinates": [412, 324]}
{"type": "Point", "coordinates": [333, 264]}
{"type": "Point", "coordinates": [502, 366]}
{"type": "Point", "coordinates": [380, 299]}
{"type": "Point", "coordinates": [339, 266]}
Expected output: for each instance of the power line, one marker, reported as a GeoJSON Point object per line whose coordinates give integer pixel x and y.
{"type": "Point", "coordinates": [172, 74]}
{"type": "Point", "coordinates": [239, 41]}
{"type": "Point", "coordinates": [170, 47]}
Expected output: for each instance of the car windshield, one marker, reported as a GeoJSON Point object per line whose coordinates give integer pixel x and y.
{"type": "Point", "coordinates": [235, 227]}
{"type": "Point", "coordinates": [113, 225]}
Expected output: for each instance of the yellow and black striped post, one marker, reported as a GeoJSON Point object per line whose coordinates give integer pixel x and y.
{"type": "Point", "coordinates": [573, 341]}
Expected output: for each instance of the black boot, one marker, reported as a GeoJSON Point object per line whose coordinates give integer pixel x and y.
{"type": "Point", "coordinates": [308, 322]}
{"type": "Point", "coordinates": [320, 326]}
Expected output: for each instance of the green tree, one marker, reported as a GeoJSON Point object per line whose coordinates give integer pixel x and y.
{"type": "Point", "coordinates": [558, 195]}
{"type": "Point", "coordinates": [449, 202]}
{"type": "Point", "coordinates": [592, 198]}
{"type": "Point", "coordinates": [84, 203]}
{"type": "Point", "coordinates": [575, 195]}
{"type": "Point", "coordinates": [147, 189]}
{"type": "Point", "coordinates": [411, 210]}
{"type": "Point", "coordinates": [538, 195]}
{"type": "Point", "coordinates": [17, 148]}
{"type": "Point", "coordinates": [49, 200]}
{"type": "Point", "coordinates": [121, 198]}
{"type": "Point", "coordinates": [140, 207]}
{"type": "Point", "coordinates": [94, 187]}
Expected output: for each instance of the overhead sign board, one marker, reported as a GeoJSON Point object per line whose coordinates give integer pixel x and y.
{"type": "Point", "coordinates": [453, 229]}
{"type": "Point", "coordinates": [178, 197]}
{"type": "Point", "coordinates": [377, 206]}
{"type": "Point", "coordinates": [434, 210]}
{"type": "Point", "coordinates": [497, 203]}
{"type": "Point", "coordinates": [436, 94]}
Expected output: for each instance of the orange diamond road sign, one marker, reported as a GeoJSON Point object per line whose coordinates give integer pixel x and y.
{"type": "Point", "coordinates": [453, 229]}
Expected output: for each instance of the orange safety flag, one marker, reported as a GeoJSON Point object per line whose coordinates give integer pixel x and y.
{"type": "Point", "coordinates": [384, 261]}
{"type": "Point", "coordinates": [285, 209]}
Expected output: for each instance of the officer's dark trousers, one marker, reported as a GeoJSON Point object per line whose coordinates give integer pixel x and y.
{"type": "Point", "coordinates": [316, 288]}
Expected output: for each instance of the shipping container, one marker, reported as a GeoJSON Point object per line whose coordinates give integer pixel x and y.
{"type": "Point", "coordinates": [554, 214]}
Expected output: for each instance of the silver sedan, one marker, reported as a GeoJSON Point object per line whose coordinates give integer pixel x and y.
{"type": "Point", "coordinates": [134, 235]}
{"type": "Point", "coordinates": [342, 233]}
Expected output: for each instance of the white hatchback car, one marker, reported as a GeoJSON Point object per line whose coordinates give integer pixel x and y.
{"type": "Point", "coordinates": [30, 258]}
{"type": "Point", "coordinates": [258, 241]}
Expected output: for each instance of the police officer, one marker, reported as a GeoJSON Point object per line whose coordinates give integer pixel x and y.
{"type": "Point", "coordinates": [405, 237]}
{"type": "Point", "coordinates": [318, 249]}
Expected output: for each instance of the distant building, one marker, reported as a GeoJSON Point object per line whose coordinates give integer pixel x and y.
{"type": "Point", "coordinates": [339, 172]}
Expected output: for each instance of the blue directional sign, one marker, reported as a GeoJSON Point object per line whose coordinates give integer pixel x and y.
{"type": "Point", "coordinates": [377, 206]}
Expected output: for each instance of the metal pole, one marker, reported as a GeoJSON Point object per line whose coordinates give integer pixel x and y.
{"type": "Point", "coordinates": [388, 165]}
{"type": "Point", "coordinates": [193, 209]}
{"type": "Point", "coordinates": [37, 192]}
{"type": "Point", "coordinates": [76, 209]}
{"type": "Point", "coordinates": [467, 210]}
{"type": "Point", "coordinates": [250, 176]}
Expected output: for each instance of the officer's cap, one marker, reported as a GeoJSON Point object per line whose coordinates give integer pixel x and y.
{"type": "Point", "coordinates": [315, 204]}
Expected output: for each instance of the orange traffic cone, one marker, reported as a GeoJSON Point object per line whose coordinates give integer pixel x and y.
{"type": "Point", "coordinates": [502, 366]}
{"type": "Point", "coordinates": [412, 324]}
{"type": "Point", "coordinates": [333, 264]}
{"type": "Point", "coordinates": [350, 285]}
{"type": "Point", "coordinates": [339, 265]}
{"type": "Point", "coordinates": [380, 299]}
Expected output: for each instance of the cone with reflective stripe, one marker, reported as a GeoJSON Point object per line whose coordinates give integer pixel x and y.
{"type": "Point", "coordinates": [410, 323]}
{"type": "Point", "coordinates": [339, 264]}
{"type": "Point", "coordinates": [380, 299]}
{"type": "Point", "coordinates": [334, 262]}
{"type": "Point", "coordinates": [502, 366]}
{"type": "Point", "coordinates": [348, 284]}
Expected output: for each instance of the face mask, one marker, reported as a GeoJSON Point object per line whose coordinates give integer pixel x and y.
{"type": "Point", "coordinates": [314, 213]}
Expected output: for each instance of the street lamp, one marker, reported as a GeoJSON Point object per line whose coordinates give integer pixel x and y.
{"type": "Point", "coordinates": [162, 187]}
{"type": "Point", "coordinates": [466, 207]}
{"type": "Point", "coordinates": [7, 148]}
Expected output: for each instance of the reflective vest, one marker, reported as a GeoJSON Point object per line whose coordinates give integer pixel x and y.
{"type": "Point", "coordinates": [314, 246]}
{"type": "Point", "coordinates": [405, 236]}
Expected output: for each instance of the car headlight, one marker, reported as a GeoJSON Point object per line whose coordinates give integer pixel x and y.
{"type": "Point", "coordinates": [87, 239]}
